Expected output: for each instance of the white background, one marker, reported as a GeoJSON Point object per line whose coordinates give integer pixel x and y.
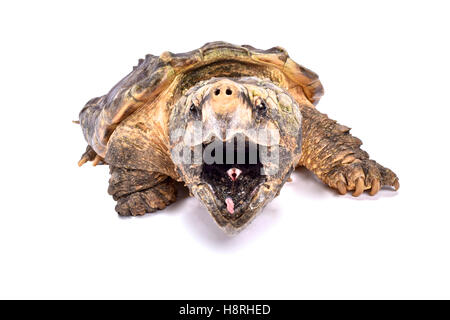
{"type": "Point", "coordinates": [385, 68]}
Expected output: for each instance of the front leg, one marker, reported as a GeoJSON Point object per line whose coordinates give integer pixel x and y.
{"type": "Point", "coordinates": [138, 192]}
{"type": "Point", "coordinates": [335, 156]}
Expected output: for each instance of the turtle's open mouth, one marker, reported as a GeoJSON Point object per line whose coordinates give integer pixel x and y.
{"type": "Point", "coordinates": [234, 172]}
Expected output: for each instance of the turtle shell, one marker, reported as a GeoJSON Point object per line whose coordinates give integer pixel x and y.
{"type": "Point", "coordinates": [179, 72]}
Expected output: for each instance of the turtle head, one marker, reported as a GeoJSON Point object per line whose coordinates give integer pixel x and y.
{"type": "Point", "coordinates": [235, 142]}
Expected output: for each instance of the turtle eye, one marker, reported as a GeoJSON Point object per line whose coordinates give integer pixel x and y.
{"type": "Point", "coordinates": [194, 110]}
{"type": "Point", "coordinates": [261, 105]}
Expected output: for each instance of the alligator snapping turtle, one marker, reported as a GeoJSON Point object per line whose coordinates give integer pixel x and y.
{"type": "Point", "coordinates": [231, 122]}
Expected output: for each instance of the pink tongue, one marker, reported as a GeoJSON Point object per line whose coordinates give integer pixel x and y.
{"type": "Point", "coordinates": [230, 205]}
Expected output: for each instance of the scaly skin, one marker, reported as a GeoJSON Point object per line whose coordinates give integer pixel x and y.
{"type": "Point", "coordinates": [335, 156]}
{"type": "Point", "coordinates": [138, 192]}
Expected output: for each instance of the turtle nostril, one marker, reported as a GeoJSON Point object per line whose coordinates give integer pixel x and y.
{"type": "Point", "coordinates": [217, 92]}
{"type": "Point", "coordinates": [229, 92]}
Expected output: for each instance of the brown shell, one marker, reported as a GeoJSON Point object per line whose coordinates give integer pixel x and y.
{"type": "Point", "coordinates": [154, 74]}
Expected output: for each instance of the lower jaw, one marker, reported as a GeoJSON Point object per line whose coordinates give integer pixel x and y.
{"type": "Point", "coordinates": [233, 224]}
{"type": "Point", "coordinates": [234, 200]}
{"type": "Point", "coordinates": [242, 211]}
{"type": "Point", "coordinates": [233, 197]}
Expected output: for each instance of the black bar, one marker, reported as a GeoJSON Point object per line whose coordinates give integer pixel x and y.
{"type": "Point", "coordinates": [229, 309]}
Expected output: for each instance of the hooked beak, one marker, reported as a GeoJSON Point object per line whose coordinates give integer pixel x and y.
{"type": "Point", "coordinates": [226, 113]}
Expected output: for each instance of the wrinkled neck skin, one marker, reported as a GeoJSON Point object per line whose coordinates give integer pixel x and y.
{"type": "Point", "coordinates": [235, 142]}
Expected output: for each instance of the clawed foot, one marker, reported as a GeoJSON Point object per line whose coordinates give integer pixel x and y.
{"type": "Point", "coordinates": [362, 175]}
{"type": "Point", "coordinates": [90, 155]}
{"type": "Point", "coordinates": [146, 201]}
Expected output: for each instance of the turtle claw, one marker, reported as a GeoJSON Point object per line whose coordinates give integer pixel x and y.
{"type": "Point", "coordinates": [96, 160]}
{"type": "Point", "coordinates": [396, 184]}
{"type": "Point", "coordinates": [340, 186]}
{"type": "Point", "coordinates": [359, 187]}
{"type": "Point", "coordinates": [376, 185]}
{"type": "Point", "coordinates": [82, 161]}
